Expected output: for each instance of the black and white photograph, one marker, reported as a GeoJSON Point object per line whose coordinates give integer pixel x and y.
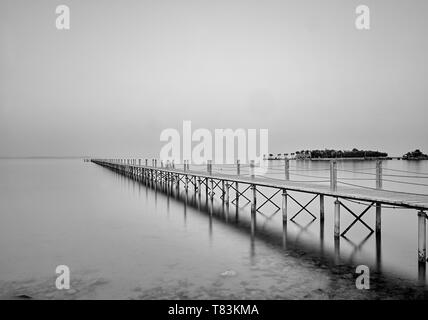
{"type": "Point", "coordinates": [223, 152]}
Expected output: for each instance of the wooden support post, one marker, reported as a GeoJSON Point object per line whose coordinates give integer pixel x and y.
{"type": "Point", "coordinates": [237, 193]}
{"type": "Point", "coordinates": [199, 185]}
{"type": "Point", "coordinates": [252, 165]}
{"type": "Point", "coordinates": [254, 203]}
{"type": "Point", "coordinates": [227, 192]}
{"type": "Point", "coordinates": [223, 193]}
{"type": "Point", "coordinates": [321, 206]}
{"type": "Point", "coordinates": [212, 189]}
{"type": "Point", "coordinates": [378, 186]}
{"type": "Point", "coordinates": [378, 217]}
{"type": "Point", "coordinates": [284, 205]}
{"type": "Point", "coordinates": [337, 218]}
{"type": "Point", "coordinates": [287, 169]}
{"type": "Point", "coordinates": [422, 240]}
{"type": "Point", "coordinates": [238, 167]}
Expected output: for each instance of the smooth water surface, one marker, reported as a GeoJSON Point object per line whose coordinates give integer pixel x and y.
{"type": "Point", "coordinates": [124, 240]}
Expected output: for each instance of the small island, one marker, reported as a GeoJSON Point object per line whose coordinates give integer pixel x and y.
{"type": "Point", "coordinates": [328, 154]}
{"type": "Point", "coordinates": [341, 154]}
{"type": "Point", "coordinates": [415, 155]}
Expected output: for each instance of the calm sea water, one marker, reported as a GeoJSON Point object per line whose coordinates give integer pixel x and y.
{"type": "Point", "coordinates": [123, 240]}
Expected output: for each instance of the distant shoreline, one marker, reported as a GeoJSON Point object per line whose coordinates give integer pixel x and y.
{"type": "Point", "coordinates": [354, 158]}
{"type": "Point", "coordinates": [351, 159]}
{"type": "Point", "coordinates": [44, 157]}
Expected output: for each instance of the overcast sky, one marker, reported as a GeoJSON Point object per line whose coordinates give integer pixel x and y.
{"type": "Point", "coordinates": [129, 69]}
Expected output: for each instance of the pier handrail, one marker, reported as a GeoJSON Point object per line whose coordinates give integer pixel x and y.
{"type": "Point", "coordinates": [314, 183]}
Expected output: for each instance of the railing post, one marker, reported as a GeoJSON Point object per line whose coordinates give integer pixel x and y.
{"type": "Point", "coordinates": [333, 175]}
{"type": "Point", "coordinates": [210, 166]}
{"type": "Point", "coordinates": [422, 252]}
{"type": "Point", "coordinates": [379, 174]}
{"type": "Point", "coordinates": [139, 162]}
{"type": "Point", "coordinates": [252, 165]}
{"type": "Point", "coordinates": [184, 165]}
{"type": "Point", "coordinates": [287, 169]}
{"type": "Point", "coordinates": [238, 167]}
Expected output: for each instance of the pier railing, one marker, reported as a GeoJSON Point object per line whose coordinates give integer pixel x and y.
{"type": "Point", "coordinates": [366, 178]}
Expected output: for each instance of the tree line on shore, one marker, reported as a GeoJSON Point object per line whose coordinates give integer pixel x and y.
{"type": "Point", "coordinates": [415, 155]}
{"type": "Point", "coordinates": [331, 153]}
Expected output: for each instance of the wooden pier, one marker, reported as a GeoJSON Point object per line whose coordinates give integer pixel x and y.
{"type": "Point", "coordinates": [250, 186]}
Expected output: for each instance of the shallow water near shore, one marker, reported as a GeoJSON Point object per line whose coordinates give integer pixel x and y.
{"type": "Point", "coordinates": [124, 240]}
